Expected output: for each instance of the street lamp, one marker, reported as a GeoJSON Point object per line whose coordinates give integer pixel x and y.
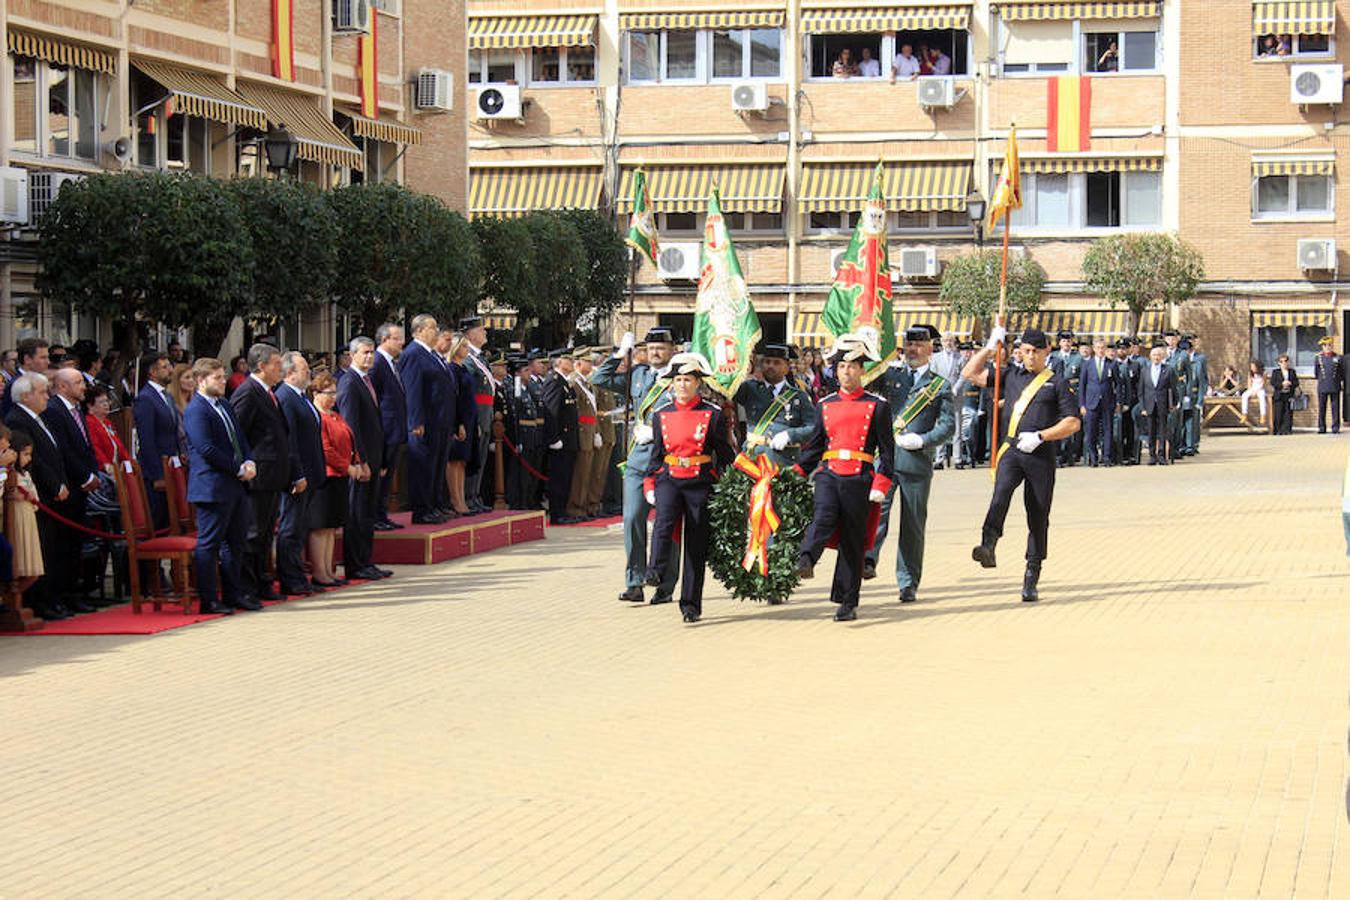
{"type": "Point", "coordinates": [975, 209]}
{"type": "Point", "coordinates": [281, 148]}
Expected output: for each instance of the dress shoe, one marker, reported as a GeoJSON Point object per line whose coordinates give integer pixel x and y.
{"type": "Point", "coordinates": [384, 573]}
{"type": "Point", "coordinates": [80, 607]}
{"type": "Point", "coordinates": [908, 594]}
{"type": "Point", "coordinates": [984, 555]}
{"type": "Point", "coordinates": [632, 595]}
{"type": "Point", "coordinates": [846, 612]}
{"type": "Point", "coordinates": [249, 603]}
{"type": "Point", "coordinates": [427, 519]}
{"type": "Point", "coordinates": [268, 594]}
{"type": "Point", "coordinates": [214, 609]}
{"type": "Point", "coordinates": [394, 526]}
{"type": "Point", "coordinates": [662, 597]}
{"type": "Point", "coordinates": [370, 573]}
{"type": "Point", "coordinates": [805, 568]}
{"type": "Point", "coordinates": [54, 612]}
{"type": "Point", "coordinates": [653, 579]}
{"type": "Point", "coordinates": [690, 617]}
{"type": "Point", "coordinates": [102, 602]}
{"type": "Point", "coordinates": [385, 526]}
{"type": "Point", "coordinates": [1029, 581]}
{"type": "Point", "coordinates": [869, 569]}
{"type": "Point", "coordinates": [298, 590]}
{"type": "Point", "coordinates": [328, 585]}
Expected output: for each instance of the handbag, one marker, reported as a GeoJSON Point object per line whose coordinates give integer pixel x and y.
{"type": "Point", "coordinates": [1300, 402]}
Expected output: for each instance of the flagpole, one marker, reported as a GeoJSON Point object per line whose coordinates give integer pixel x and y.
{"type": "Point", "coordinates": [633, 264]}
{"type": "Point", "coordinates": [1000, 321]}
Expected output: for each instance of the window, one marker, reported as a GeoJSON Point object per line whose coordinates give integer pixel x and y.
{"type": "Point", "coordinates": [1105, 47]}
{"type": "Point", "coordinates": [25, 103]}
{"type": "Point", "coordinates": [680, 223]}
{"type": "Point", "coordinates": [936, 52]}
{"type": "Point", "coordinates": [1036, 47]}
{"type": "Point", "coordinates": [945, 220]}
{"type": "Point", "coordinates": [752, 223]}
{"type": "Point", "coordinates": [1278, 46]}
{"type": "Point", "coordinates": [1117, 51]}
{"type": "Point", "coordinates": [848, 55]}
{"type": "Point", "coordinates": [562, 65]}
{"type": "Point", "coordinates": [1288, 196]}
{"type": "Point", "coordinates": [1092, 200]}
{"type": "Point", "coordinates": [1299, 341]}
{"type": "Point", "coordinates": [493, 67]}
{"type": "Point", "coordinates": [746, 53]}
{"type": "Point", "coordinates": [66, 124]}
{"type": "Point", "coordinates": [832, 222]}
{"type": "Point", "coordinates": [698, 57]}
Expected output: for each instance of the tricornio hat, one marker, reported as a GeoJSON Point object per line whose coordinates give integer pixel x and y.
{"type": "Point", "coordinates": [660, 335]}
{"type": "Point", "coordinates": [470, 322]}
{"type": "Point", "coordinates": [690, 364]}
{"type": "Point", "coordinates": [853, 348]}
{"type": "Point", "coordinates": [1034, 337]}
{"type": "Point", "coordinates": [922, 333]}
{"type": "Point", "coordinates": [775, 351]}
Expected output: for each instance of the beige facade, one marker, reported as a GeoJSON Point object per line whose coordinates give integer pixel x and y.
{"type": "Point", "coordinates": [1191, 130]}
{"type": "Point", "coordinates": [122, 60]}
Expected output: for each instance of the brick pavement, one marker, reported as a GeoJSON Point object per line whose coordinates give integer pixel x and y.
{"type": "Point", "coordinates": [1170, 721]}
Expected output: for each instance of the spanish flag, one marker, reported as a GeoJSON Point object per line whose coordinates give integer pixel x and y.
{"type": "Point", "coordinates": [369, 66]}
{"type": "Point", "coordinates": [1007, 194]}
{"type": "Point", "coordinates": [1068, 126]}
{"type": "Point", "coordinates": [283, 39]}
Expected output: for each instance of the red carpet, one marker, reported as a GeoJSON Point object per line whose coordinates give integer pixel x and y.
{"type": "Point", "coordinates": [593, 523]}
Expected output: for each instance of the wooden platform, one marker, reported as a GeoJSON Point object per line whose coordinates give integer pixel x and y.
{"type": "Point", "coordinates": [429, 544]}
{"type": "Point", "coordinates": [1226, 412]}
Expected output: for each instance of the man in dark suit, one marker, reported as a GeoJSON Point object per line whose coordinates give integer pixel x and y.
{"type": "Point", "coordinates": [220, 465]}
{"type": "Point", "coordinates": [360, 409]}
{"type": "Point", "coordinates": [34, 357]}
{"type": "Point", "coordinates": [393, 414]}
{"type": "Point", "coordinates": [560, 435]}
{"type": "Point", "coordinates": [259, 415]}
{"type": "Point", "coordinates": [421, 374]}
{"type": "Point", "coordinates": [65, 419]}
{"type": "Point", "coordinates": [485, 386]}
{"type": "Point", "coordinates": [1097, 399]}
{"type": "Point", "coordinates": [157, 430]}
{"type": "Point", "coordinates": [1157, 401]}
{"type": "Point", "coordinates": [306, 440]}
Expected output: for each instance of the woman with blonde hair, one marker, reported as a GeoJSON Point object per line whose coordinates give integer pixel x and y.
{"type": "Point", "coordinates": [462, 443]}
{"type": "Point", "coordinates": [182, 385]}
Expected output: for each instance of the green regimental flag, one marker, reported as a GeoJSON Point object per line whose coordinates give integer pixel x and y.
{"type": "Point", "coordinates": [860, 300]}
{"type": "Point", "coordinates": [642, 226]}
{"type": "Point", "coordinates": [726, 328]}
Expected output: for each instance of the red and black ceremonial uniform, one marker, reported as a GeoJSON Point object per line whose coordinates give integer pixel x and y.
{"type": "Point", "coordinates": [690, 447]}
{"type": "Point", "coordinates": [853, 440]}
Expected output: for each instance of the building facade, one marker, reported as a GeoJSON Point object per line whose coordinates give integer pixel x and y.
{"type": "Point", "coordinates": [194, 85]}
{"type": "Point", "coordinates": [1143, 115]}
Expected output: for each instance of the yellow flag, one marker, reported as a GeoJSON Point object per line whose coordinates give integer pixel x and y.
{"type": "Point", "coordinates": [1008, 192]}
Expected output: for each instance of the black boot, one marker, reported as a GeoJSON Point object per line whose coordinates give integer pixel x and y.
{"type": "Point", "coordinates": [983, 553]}
{"type": "Point", "coordinates": [1033, 575]}
{"type": "Point", "coordinates": [805, 568]}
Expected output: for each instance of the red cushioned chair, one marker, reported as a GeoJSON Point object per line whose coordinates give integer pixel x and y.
{"type": "Point", "coordinates": [182, 517]}
{"type": "Point", "coordinates": [142, 544]}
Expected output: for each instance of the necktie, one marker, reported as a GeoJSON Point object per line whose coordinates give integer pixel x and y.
{"type": "Point", "coordinates": [370, 387]}
{"type": "Point", "coordinates": [79, 423]}
{"type": "Point", "coordinates": [229, 428]}
{"type": "Point", "coordinates": [1099, 370]}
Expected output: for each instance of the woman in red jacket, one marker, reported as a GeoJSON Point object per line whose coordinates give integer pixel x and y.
{"type": "Point", "coordinates": [108, 447]}
{"type": "Point", "coordinates": [328, 511]}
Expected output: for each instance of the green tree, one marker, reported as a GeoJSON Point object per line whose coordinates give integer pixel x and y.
{"type": "Point", "coordinates": [970, 285]}
{"type": "Point", "coordinates": [510, 270]}
{"type": "Point", "coordinates": [1142, 270]}
{"type": "Point", "coordinates": [147, 247]}
{"type": "Point", "coordinates": [560, 294]}
{"type": "Point", "coordinates": [607, 259]}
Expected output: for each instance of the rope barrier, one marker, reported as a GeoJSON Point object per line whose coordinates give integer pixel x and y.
{"type": "Point", "coordinates": [528, 468]}
{"type": "Point", "coordinates": [95, 532]}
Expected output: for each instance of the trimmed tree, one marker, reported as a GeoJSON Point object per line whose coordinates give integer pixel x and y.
{"type": "Point", "coordinates": [970, 286]}
{"type": "Point", "coordinates": [607, 260]}
{"type": "Point", "coordinates": [510, 270]}
{"type": "Point", "coordinates": [1141, 271]}
{"type": "Point", "coordinates": [559, 295]}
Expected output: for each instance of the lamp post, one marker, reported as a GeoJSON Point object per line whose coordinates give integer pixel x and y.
{"type": "Point", "coordinates": [975, 209]}
{"type": "Point", "coordinates": [281, 148]}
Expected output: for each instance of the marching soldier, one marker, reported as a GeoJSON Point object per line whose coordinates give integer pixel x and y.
{"type": "Point", "coordinates": [1329, 369]}
{"type": "Point", "coordinates": [1069, 366]}
{"type": "Point", "coordinates": [690, 446]}
{"type": "Point", "coordinates": [779, 415]}
{"type": "Point", "coordinates": [1037, 411]}
{"type": "Point", "coordinates": [525, 429]}
{"type": "Point", "coordinates": [853, 446]}
{"type": "Point", "coordinates": [922, 402]}
{"type": "Point", "coordinates": [648, 387]}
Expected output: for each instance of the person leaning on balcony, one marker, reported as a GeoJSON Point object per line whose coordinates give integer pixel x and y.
{"type": "Point", "coordinates": [939, 63]}
{"type": "Point", "coordinates": [868, 66]}
{"type": "Point", "coordinates": [844, 66]}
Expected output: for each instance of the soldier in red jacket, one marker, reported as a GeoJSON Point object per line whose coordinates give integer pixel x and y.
{"type": "Point", "coordinates": [691, 445]}
{"type": "Point", "coordinates": [853, 440]}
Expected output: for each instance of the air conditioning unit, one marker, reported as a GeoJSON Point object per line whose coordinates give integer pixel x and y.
{"type": "Point", "coordinates": [14, 195]}
{"type": "Point", "coordinates": [919, 262]}
{"type": "Point", "coordinates": [351, 16]}
{"type": "Point", "coordinates": [937, 90]}
{"type": "Point", "coordinates": [434, 89]}
{"type": "Point", "coordinates": [43, 187]}
{"type": "Point", "coordinates": [1316, 254]}
{"type": "Point", "coordinates": [500, 101]}
{"type": "Point", "coordinates": [679, 261]}
{"type": "Point", "coordinates": [749, 96]}
{"type": "Point", "coordinates": [1320, 83]}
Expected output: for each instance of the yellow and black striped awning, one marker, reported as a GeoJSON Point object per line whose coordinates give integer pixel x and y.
{"type": "Point", "coordinates": [510, 32]}
{"type": "Point", "coordinates": [1294, 17]}
{"type": "Point", "coordinates": [200, 94]}
{"type": "Point", "coordinates": [499, 320]}
{"type": "Point", "coordinates": [320, 140]}
{"type": "Point", "coordinates": [909, 187]}
{"type": "Point", "coordinates": [808, 329]}
{"type": "Point", "coordinates": [690, 21]}
{"type": "Point", "coordinates": [1098, 322]}
{"type": "Point", "coordinates": [382, 129]}
{"type": "Point", "coordinates": [1054, 165]}
{"type": "Point", "coordinates": [509, 191]}
{"type": "Point", "coordinates": [1286, 318]}
{"type": "Point", "coordinates": [1040, 10]}
{"type": "Point", "coordinates": [743, 187]}
{"type": "Point", "coordinates": [1263, 168]}
{"type": "Point", "coordinates": [61, 52]}
{"type": "Point", "coordinates": [886, 18]}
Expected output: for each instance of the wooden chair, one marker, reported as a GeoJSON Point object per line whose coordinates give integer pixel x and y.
{"type": "Point", "coordinates": [182, 517]}
{"type": "Point", "coordinates": [142, 544]}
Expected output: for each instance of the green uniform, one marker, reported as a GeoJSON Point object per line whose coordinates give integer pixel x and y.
{"type": "Point", "coordinates": [1070, 368]}
{"type": "Point", "coordinates": [770, 409]}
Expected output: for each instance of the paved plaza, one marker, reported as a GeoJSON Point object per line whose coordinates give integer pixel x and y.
{"type": "Point", "coordinates": [1171, 720]}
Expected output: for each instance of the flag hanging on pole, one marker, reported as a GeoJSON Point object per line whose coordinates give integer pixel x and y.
{"type": "Point", "coordinates": [860, 300]}
{"type": "Point", "coordinates": [1008, 192]}
{"type": "Point", "coordinates": [642, 235]}
{"type": "Point", "coordinates": [726, 328]}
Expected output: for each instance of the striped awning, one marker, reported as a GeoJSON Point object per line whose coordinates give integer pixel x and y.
{"type": "Point", "coordinates": [510, 32]}
{"type": "Point", "coordinates": [1099, 322]}
{"type": "Point", "coordinates": [1263, 168]}
{"type": "Point", "coordinates": [744, 187]}
{"type": "Point", "coordinates": [690, 21]}
{"type": "Point", "coordinates": [60, 52]}
{"type": "Point", "coordinates": [200, 94]}
{"type": "Point", "coordinates": [1294, 17]}
{"type": "Point", "coordinates": [388, 130]}
{"type": "Point", "coordinates": [320, 140]}
{"type": "Point", "coordinates": [509, 191]}
{"type": "Point", "coordinates": [807, 327]}
{"type": "Point", "coordinates": [909, 187]}
{"type": "Point", "coordinates": [1056, 165]}
{"type": "Point", "coordinates": [1285, 318]}
{"type": "Point", "coordinates": [884, 18]}
{"type": "Point", "coordinates": [1039, 10]}
{"type": "Point", "coordinates": [499, 320]}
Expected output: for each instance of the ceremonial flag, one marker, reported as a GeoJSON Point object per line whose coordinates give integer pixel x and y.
{"type": "Point", "coordinates": [642, 235]}
{"type": "Point", "coordinates": [726, 328]}
{"type": "Point", "coordinates": [369, 68]}
{"type": "Point", "coordinates": [860, 299]}
{"type": "Point", "coordinates": [283, 39]}
{"type": "Point", "coordinates": [1068, 126]}
{"type": "Point", "coordinates": [1008, 192]}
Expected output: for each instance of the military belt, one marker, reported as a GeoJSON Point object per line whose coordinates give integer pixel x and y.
{"type": "Point", "coordinates": [530, 422]}
{"type": "Point", "coordinates": [849, 455]}
{"type": "Point", "coordinates": [686, 462]}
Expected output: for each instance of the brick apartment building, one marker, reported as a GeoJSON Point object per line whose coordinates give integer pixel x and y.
{"type": "Point", "coordinates": [1190, 128]}
{"type": "Point", "coordinates": [194, 85]}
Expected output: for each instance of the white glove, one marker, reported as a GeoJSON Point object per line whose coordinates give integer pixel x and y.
{"type": "Point", "coordinates": [996, 337]}
{"type": "Point", "coordinates": [643, 434]}
{"type": "Point", "coordinates": [597, 441]}
{"type": "Point", "coordinates": [910, 442]}
{"type": "Point", "coordinates": [556, 445]}
{"type": "Point", "coordinates": [779, 440]}
{"type": "Point", "coordinates": [1028, 441]}
{"type": "Point", "coordinates": [651, 498]}
{"type": "Point", "coordinates": [626, 343]}
{"type": "Point", "coordinates": [876, 496]}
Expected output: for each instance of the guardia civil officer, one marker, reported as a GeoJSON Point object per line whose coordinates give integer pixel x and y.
{"type": "Point", "coordinates": [853, 446]}
{"type": "Point", "coordinates": [1329, 369]}
{"type": "Point", "coordinates": [779, 415]}
{"type": "Point", "coordinates": [1038, 410]}
{"type": "Point", "coordinates": [690, 446]}
{"type": "Point", "coordinates": [1067, 362]}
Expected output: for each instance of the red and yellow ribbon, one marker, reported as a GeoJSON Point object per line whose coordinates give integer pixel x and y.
{"type": "Point", "coordinates": [763, 520]}
{"type": "Point", "coordinates": [283, 39]}
{"type": "Point", "coordinates": [369, 66]}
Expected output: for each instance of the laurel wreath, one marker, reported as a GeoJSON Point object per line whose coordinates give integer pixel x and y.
{"type": "Point", "coordinates": [728, 514]}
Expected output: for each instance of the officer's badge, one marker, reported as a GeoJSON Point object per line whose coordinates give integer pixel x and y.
{"type": "Point", "coordinates": [700, 431]}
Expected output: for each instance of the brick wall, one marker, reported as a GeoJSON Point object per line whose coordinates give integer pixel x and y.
{"type": "Point", "coordinates": [571, 112]}
{"type": "Point", "coordinates": [851, 106]}
{"type": "Point", "coordinates": [1119, 101]}
{"type": "Point", "coordinates": [435, 37]}
{"type": "Point", "coordinates": [698, 110]}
